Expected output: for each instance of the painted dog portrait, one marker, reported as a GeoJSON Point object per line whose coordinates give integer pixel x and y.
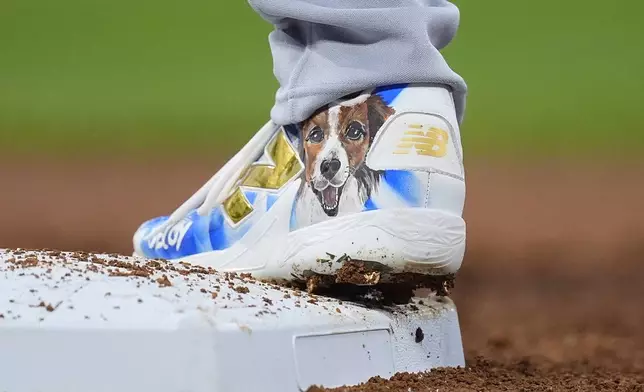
{"type": "Point", "coordinates": [335, 143]}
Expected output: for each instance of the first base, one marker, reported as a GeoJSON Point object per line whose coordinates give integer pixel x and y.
{"type": "Point", "coordinates": [85, 322]}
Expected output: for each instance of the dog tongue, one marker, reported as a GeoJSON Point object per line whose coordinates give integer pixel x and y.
{"type": "Point", "coordinates": [329, 195]}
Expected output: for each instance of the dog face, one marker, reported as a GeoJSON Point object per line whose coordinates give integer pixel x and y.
{"type": "Point", "coordinates": [336, 143]}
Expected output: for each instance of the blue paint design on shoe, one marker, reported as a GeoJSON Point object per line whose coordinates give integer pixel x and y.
{"type": "Point", "coordinates": [389, 93]}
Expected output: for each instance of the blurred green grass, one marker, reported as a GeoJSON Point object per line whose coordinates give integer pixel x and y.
{"type": "Point", "coordinates": [143, 76]}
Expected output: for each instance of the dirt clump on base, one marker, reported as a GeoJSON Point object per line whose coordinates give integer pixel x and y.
{"type": "Point", "coordinates": [373, 284]}
{"type": "Point", "coordinates": [357, 272]}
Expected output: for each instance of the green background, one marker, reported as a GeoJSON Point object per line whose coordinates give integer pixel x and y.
{"type": "Point", "coordinates": [546, 78]}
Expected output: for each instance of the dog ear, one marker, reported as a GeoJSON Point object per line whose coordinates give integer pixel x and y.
{"type": "Point", "coordinates": [299, 131]}
{"type": "Point", "coordinates": [377, 114]}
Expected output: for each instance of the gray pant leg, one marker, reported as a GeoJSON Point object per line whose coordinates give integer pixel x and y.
{"type": "Point", "coordinates": [325, 49]}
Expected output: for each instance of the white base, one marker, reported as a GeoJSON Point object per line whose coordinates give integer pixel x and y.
{"type": "Point", "coordinates": [114, 333]}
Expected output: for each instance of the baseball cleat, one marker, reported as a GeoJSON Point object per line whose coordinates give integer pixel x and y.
{"type": "Point", "coordinates": [370, 189]}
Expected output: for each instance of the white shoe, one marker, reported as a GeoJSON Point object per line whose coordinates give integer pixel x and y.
{"type": "Point", "coordinates": [376, 177]}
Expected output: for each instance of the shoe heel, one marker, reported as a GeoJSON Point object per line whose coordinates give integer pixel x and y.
{"type": "Point", "coordinates": [407, 240]}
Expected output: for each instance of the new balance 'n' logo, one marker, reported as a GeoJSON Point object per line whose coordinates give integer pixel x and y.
{"type": "Point", "coordinates": [431, 142]}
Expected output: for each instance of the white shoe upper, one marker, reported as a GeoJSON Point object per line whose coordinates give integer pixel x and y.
{"type": "Point", "coordinates": [377, 176]}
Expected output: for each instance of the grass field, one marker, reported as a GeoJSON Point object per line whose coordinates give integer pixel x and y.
{"type": "Point", "coordinates": [139, 76]}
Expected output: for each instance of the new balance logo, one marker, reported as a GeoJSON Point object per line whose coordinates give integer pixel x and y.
{"type": "Point", "coordinates": [432, 142]}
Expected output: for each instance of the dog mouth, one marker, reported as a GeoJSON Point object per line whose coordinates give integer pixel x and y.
{"type": "Point", "coordinates": [329, 198]}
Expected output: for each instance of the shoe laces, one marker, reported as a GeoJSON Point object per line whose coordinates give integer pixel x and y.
{"type": "Point", "coordinates": [220, 186]}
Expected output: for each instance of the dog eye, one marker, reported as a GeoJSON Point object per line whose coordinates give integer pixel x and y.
{"type": "Point", "coordinates": [315, 136]}
{"type": "Point", "coordinates": [355, 131]}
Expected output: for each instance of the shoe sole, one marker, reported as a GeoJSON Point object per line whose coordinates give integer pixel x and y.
{"type": "Point", "coordinates": [383, 246]}
{"type": "Point", "coordinates": [379, 246]}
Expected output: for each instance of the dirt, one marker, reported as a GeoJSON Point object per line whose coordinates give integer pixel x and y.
{"type": "Point", "coordinates": [163, 281]}
{"type": "Point", "coordinates": [550, 295]}
{"type": "Point", "coordinates": [372, 283]}
{"type": "Point", "coordinates": [357, 272]}
{"type": "Point", "coordinates": [489, 375]}
{"type": "Point", "coordinates": [242, 289]}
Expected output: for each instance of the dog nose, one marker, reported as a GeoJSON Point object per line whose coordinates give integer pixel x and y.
{"type": "Point", "coordinates": [330, 167]}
